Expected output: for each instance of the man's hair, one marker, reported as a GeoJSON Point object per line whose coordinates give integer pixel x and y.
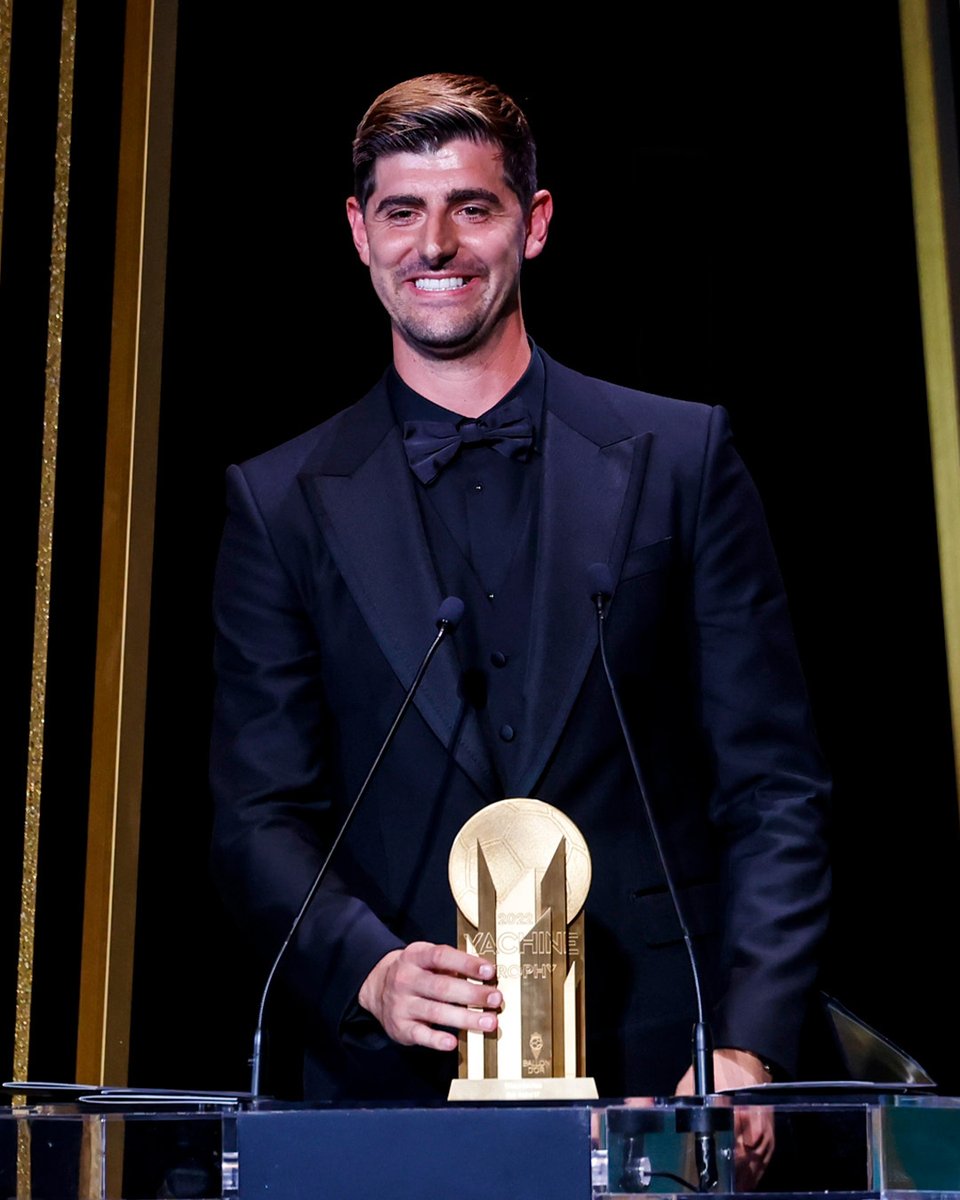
{"type": "Point", "coordinates": [425, 113]}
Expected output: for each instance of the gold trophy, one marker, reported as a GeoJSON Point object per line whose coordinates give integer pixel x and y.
{"type": "Point", "coordinates": [520, 873]}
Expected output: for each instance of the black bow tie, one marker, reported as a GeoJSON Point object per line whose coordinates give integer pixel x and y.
{"type": "Point", "coordinates": [432, 445]}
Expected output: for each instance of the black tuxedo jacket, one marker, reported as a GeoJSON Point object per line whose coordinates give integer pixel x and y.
{"type": "Point", "coordinates": [324, 606]}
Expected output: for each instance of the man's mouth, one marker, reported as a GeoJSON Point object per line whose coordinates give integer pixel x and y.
{"type": "Point", "coordinates": [445, 284]}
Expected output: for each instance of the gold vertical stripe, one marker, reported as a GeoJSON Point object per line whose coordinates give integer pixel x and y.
{"type": "Point", "coordinates": [123, 623]}
{"type": "Point", "coordinates": [933, 145]}
{"type": "Point", "coordinates": [24, 1183]}
{"type": "Point", "coordinates": [48, 476]}
{"type": "Point", "coordinates": [6, 20]}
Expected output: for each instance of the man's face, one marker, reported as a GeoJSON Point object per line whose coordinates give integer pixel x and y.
{"type": "Point", "coordinates": [444, 237]}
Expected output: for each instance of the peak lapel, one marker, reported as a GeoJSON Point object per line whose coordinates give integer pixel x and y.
{"type": "Point", "coordinates": [593, 475]}
{"type": "Point", "coordinates": [361, 494]}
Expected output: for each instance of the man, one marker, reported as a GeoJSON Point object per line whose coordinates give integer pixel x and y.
{"type": "Point", "coordinates": [338, 549]}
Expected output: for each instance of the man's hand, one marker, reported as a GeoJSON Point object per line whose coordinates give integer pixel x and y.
{"type": "Point", "coordinates": [414, 990]}
{"type": "Point", "coordinates": [753, 1127]}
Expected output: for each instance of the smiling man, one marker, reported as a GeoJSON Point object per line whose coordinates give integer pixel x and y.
{"type": "Point", "coordinates": [482, 468]}
{"type": "Point", "coordinates": [444, 236]}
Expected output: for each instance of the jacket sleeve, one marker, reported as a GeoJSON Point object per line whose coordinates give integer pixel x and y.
{"type": "Point", "coordinates": [772, 788]}
{"type": "Point", "coordinates": [272, 774]}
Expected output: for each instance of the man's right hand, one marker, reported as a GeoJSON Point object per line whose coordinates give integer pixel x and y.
{"type": "Point", "coordinates": [414, 990]}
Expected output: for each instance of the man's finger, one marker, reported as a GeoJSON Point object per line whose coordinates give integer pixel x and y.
{"type": "Point", "coordinates": [446, 959]}
{"type": "Point", "coordinates": [754, 1145]}
{"type": "Point", "coordinates": [417, 991]}
{"type": "Point", "coordinates": [454, 1016]}
{"type": "Point", "coordinates": [447, 989]}
{"type": "Point", "coordinates": [753, 1126]}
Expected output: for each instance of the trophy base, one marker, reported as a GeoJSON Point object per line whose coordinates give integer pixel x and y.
{"type": "Point", "coordinates": [480, 1091]}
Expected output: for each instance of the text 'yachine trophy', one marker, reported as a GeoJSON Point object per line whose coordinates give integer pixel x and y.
{"type": "Point", "coordinates": [520, 873]}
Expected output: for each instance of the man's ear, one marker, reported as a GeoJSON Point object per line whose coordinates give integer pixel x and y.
{"type": "Point", "coordinates": [538, 223]}
{"type": "Point", "coordinates": [359, 229]}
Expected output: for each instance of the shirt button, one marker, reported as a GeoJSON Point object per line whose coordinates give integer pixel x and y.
{"type": "Point", "coordinates": [478, 487]}
{"type": "Point", "coordinates": [498, 658]}
{"type": "Point", "coordinates": [489, 595]}
{"type": "Point", "coordinates": [507, 733]}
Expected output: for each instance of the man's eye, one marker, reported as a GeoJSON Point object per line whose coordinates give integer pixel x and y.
{"type": "Point", "coordinates": [474, 212]}
{"type": "Point", "coordinates": [401, 215]}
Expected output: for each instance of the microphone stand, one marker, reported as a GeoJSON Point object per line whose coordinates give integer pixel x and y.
{"type": "Point", "coordinates": [601, 585]}
{"type": "Point", "coordinates": [449, 616]}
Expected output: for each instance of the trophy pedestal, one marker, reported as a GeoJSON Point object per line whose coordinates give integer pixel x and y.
{"type": "Point", "coordinates": [482, 1091]}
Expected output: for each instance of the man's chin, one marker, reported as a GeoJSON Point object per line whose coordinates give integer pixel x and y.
{"type": "Point", "coordinates": [442, 343]}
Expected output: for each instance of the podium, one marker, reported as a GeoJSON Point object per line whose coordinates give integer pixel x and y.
{"type": "Point", "coordinates": [874, 1147]}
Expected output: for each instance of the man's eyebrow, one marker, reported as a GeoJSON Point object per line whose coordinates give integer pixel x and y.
{"type": "Point", "coordinates": [400, 202]}
{"type": "Point", "coordinates": [463, 195]}
{"type": "Point", "coordinates": [458, 196]}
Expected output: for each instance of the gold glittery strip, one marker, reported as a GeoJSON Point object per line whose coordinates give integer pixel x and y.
{"type": "Point", "coordinates": [24, 1189]}
{"type": "Point", "coordinates": [48, 474]}
{"type": "Point", "coordinates": [6, 18]}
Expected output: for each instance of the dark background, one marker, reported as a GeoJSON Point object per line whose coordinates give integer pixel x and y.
{"type": "Point", "coordinates": [733, 226]}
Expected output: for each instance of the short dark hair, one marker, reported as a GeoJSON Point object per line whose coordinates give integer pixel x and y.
{"type": "Point", "coordinates": [427, 112]}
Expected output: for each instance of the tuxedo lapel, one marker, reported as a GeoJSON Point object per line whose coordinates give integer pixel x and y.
{"type": "Point", "coordinates": [360, 491]}
{"type": "Point", "coordinates": [593, 474]}
{"type": "Point", "coordinates": [361, 494]}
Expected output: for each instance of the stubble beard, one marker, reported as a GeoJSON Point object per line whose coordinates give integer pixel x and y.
{"type": "Point", "coordinates": [440, 339]}
{"type": "Point", "coordinates": [450, 335]}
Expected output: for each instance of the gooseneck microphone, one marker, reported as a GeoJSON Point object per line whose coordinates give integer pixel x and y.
{"type": "Point", "coordinates": [449, 616]}
{"type": "Point", "coordinates": [601, 592]}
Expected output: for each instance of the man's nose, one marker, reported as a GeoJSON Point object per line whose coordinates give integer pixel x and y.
{"type": "Point", "coordinates": [439, 240]}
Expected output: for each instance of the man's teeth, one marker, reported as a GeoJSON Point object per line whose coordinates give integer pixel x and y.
{"type": "Point", "coordinates": [439, 285]}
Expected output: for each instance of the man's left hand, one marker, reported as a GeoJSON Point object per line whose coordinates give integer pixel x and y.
{"type": "Point", "coordinates": [753, 1127]}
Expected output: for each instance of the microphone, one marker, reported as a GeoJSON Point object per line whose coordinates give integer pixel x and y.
{"type": "Point", "coordinates": [601, 593]}
{"type": "Point", "coordinates": [601, 583]}
{"type": "Point", "coordinates": [449, 616]}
